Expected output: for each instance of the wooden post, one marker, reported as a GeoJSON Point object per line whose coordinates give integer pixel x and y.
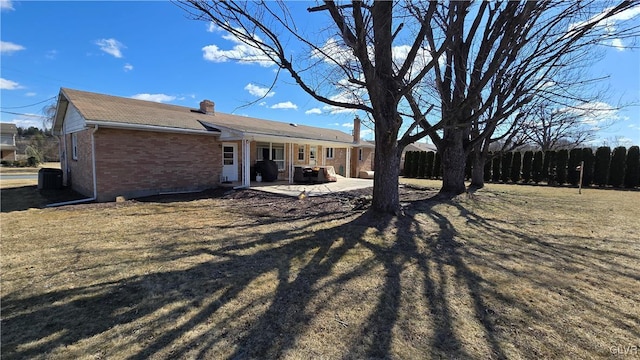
{"type": "Point", "coordinates": [581, 168]}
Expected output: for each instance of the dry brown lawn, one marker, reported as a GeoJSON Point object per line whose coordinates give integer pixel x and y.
{"type": "Point", "coordinates": [513, 272]}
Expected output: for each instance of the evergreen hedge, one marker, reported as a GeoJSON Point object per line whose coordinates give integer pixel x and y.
{"type": "Point", "coordinates": [516, 165]}
{"type": "Point", "coordinates": [487, 168]}
{"type": "Point", "coordinates": [495, 168]}
{"type": "Point", "coordinates": [575, 157]}
{"type": "Point", "coordinates": [536, 167]}
{"type": "Point", "coordinates": [505, 167]}
{"type": "Point", "coordinates": [527, 162]}
{"type": "Point", "coordinates": [422, 164]}
{"type": "Point", "coordinates": [561, 166]}
{"type": "Point", "coordinates": [437, 166]}
{"type": "Point", "coordinates": [550, 161]}
{"type": "Point", "coordinates": [601, 165]}
{"type": "Point", "coordinates": [588, 158]}
{"type": "Point", "coordinates": [632, 173]}
{"type": "Point", "coordinates": [616, 169]}
{"type": "Point", "coordinates": [429, 168]}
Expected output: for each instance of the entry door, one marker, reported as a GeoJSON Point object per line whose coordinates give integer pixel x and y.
{"type": "Point", "coordinates": [229, 162]}
{"type": "Point", "coordinates": [313, 150]}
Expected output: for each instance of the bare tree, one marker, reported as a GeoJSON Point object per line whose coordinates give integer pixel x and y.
{"type": "Point", "coordinates": [485, 60]}
{"type": "Point", "coordinates": [503, 56]}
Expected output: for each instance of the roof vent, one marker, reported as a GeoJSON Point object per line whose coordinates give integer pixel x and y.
{"type": "Point", "coordinates": [294, 125]}
{"type": "Point", "coordinates": [207, 107]}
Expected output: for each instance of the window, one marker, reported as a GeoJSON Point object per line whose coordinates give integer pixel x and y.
{"type": "Point", "coordinates": [329, 153]}
{"type": "Point", "coordinates": [301, 152]}
{"type": "Point", "coordinates": [276, 152]}
{"type": "Point", "coordinates": [360, 154]}
{"type": "Point", "coordinates": [227, 155]}
{"type": "Point", "coordinates": [74, 146]}
{"type": "Point", "coordinates": [312, 155]}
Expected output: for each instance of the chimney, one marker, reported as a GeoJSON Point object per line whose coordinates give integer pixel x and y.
{"type": "Point", "coordinates": [356, 129]}
{"type": "Point", "coordinates": [207, 107]}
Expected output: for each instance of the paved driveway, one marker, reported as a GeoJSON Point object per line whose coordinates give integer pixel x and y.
{"type": "Point", "coordinates": [284, 188]}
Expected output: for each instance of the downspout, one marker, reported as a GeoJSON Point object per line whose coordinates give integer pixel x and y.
{"type": "Point", "coordinates": [93, 166]}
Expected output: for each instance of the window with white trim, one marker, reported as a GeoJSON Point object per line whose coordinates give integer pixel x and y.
{"type": "Point", "coordinates": [74, 146]}
{"type": "Point", "coordinates": [276, 152]}
{"type": "Point", "coordinates": [360, 154]}
{"type": "Point", "coordinates": [301, 152]}
{"type": "Point", "coordinates": [329, 153]}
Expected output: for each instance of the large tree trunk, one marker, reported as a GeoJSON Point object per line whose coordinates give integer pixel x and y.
{"type": "Point", "coordinates": [453, 161]}
{"type": "Point", "coordinates": [385, 178]}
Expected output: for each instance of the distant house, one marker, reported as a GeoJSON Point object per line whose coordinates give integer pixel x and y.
{"type": "Point", "coordinates": [111, 146]}
{"type": "Point", "coordinates": [8, 141]}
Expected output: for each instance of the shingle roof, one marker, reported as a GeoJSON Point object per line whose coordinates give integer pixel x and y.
{"type": "Point", "coordinates": [119, 110]}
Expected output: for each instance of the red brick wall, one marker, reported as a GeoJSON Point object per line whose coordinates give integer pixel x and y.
{"type": "Point", "coordinates": [80, 171]}
{"type": "Point", "coordinates": [138, 163]}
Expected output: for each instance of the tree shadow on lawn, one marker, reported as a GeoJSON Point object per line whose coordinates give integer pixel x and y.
{"type": "Point", "coordinates": [170, 313]}
{"type": "Point", "coordinates": [27, 197]}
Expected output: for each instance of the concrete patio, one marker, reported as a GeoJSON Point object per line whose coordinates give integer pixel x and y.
{"type": "Point", "coordinates": [284, 188]}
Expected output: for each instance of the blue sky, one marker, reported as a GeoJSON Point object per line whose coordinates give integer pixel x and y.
{"type": "Point", "coordinates": [153, 51]}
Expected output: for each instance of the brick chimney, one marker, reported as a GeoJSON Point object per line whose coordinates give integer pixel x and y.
{"type": "Point", "coordinates": [207, 107]}
{"type": "Point", "coordinates": [356, 129]}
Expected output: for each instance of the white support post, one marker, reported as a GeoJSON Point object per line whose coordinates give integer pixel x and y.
{"type": "Point", "coordinates": [246, 166]}
{"type": "Point", "coordinates": [347, 173]}
{"type": "Point", "coordinates": [291, 168]}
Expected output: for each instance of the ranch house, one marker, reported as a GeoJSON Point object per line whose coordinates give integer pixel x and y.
{"type": "Point", "coordinates": [113, 146]}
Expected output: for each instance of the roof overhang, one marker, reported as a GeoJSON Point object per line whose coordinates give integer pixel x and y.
{"type": "Point", "coordinates": [155, 128]}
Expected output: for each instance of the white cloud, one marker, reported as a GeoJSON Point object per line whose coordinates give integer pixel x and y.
{"type": "Point", "coordinates": [9, 85]}
{"type": "Point", "coordinates": [348, 125]}
{"type": "Point", "coordinates": [154, 97]}
{"type": "Point", "coordinates": [366, 134]}
{"type": "Point", "coordinates": [263, 103]}
{"type": "Point", "coordinates": [608, 24]}
{"type": "Point", "coordinates": [111, 46]}
{"type": "Point", "coordinates": [595, 113]}
{"type": "Point", "coordinates": [212, 27]}
{"type": "Point", "coordinates": [284, 105]}
{"type": "Point", "coordinates": [313, 111]}
{"type": "Point", "coordinates": [9, 47]}
{"type": "Point", "coordinates": [258, 91]}
{"type": "Point", "coordinates": [51, 54]}
{"type": "Point", "coordinates": [30, 94]}
{"type": "Point", "coordinates": [128, 67]}
{"type": "Point", "coordinates": [242, 53]}
{"type": "Point", "coordinates": [6, 5]}
{"type": "Point", "coordinates": [28, 120]}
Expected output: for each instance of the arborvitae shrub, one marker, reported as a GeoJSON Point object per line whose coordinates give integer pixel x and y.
{"type": "Point", "coordinates": [516, 164]}
{"type": "Point", "coordinates": [422, 164]}
{"type": "Point", "coordinates": [550, 161]}
{"type": "Point", "coordinates": [437, 166]}
{"type": "Point", "coordinates": [505, 167]}
{"type": "Point", "coordinates": [495, 168]}
{"type": "Point", "coordinates": [405, 166]}
{"type": "Point", "coordinates": [561, 166]}
{"type": "Point", "coordinates": [616, 170]}
{"type": "Point", "coordinates": [601, 165]}
{"type": "Point", "coordinates": [587, 157]}
{"type": "Point", "coordinates": [575, 157]}
{"type": "Point", "coordinates": [632, 171]}
{"type": "Point", "coordinates": [527, 162]}
{"type": "Point", "coordinates": [487, 168]}
{"type": "Point", "coordinates": [415, 164]}
{"type": "Point", "coordinates": [536, 167]}
{"type": "Point", "coordinates": [467, 166]}
{"type": "Point", "coordinates": [429, 168]}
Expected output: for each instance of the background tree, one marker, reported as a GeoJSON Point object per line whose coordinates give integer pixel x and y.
{"type": "Point", "coordinates": [486, 60]}
{"type": "Point", "coordinates": [536, 167]}
{"type": "Point", "coordinates": [496, 171]}
{"type": "Point", "coordinates": [632, 173]}
{"type": "Point", "coordinates": [601, 166]}
{"type": "Point", "coordinates": [429, 171]}
{"type": "Point", "coordinates": [616, 169]}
